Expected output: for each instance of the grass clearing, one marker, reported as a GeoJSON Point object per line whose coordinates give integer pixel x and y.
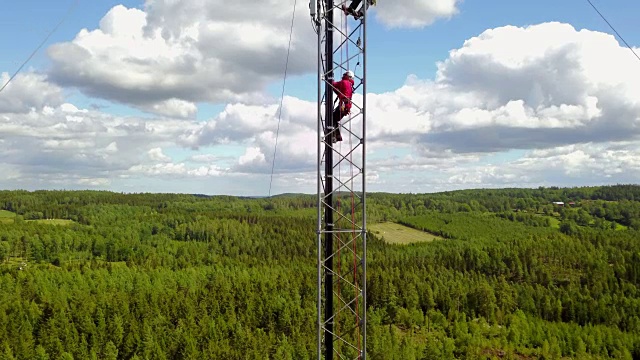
{"type": "Point", "coordinates": [53, 221]}
{"type": "Point", "coordinates": [620, 227]}
{"type": "Point", "coordinates": [4, 214]}
{"type": "Point", "coordinates": [555, 222]}
{"type": "Point", "coordinates": [14, 261]}
{"type": "Point", "coordinates": [399, 234]}
{"type": "Point", "coordinates": [7, 217]}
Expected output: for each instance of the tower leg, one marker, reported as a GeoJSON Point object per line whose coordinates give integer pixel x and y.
{"type": "Point", "coordinates": [341, 226]}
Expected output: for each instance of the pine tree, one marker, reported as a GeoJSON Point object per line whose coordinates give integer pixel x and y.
{"type": "Point", "coordinates": [41, 353]}
{"type": "Point", "coordinates": [110, 351]}
{"type": "Point", "coordinates": [7, 353]}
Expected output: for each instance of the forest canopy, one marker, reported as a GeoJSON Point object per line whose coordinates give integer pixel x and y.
{"type": "Point", "coordinates": [515, 273]}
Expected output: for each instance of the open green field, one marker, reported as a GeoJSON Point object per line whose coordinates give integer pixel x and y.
{"type": "Point", "coordinates": [53, 221]}
{"type": "Point", "coordinates": [15, 261]}
{"type": "Point", "coordinates": [399, 234]}
{"type": "Point", "coordinates": [555, 223]}
{"type": "Point", "coordinates": [6, 214]}
{"type": "Point", "coordinates": [621, 227]}
{"type": "Point", "coordinates": [6, 217]}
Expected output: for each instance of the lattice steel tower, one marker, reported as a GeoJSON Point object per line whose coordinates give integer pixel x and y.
{"type": "Point", "coordinates": [341, 228]}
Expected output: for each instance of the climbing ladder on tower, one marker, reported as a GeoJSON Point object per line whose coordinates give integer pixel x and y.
{"type": "Point", "coordinates": [341, 224]}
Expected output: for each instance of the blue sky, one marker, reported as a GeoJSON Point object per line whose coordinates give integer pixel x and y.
{"type": "Point", "coordinates": [396, 53]}
{"type": "Point", "coordinates": [221, 120]}
{"type": "Point", "coordinates": [413, 51]}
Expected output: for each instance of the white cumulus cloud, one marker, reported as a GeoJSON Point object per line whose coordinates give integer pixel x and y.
{"type": "Point", "coordinates": [415, 13]}
{"type": "Point", "coordinates": [567, 102]}
{"type": "Point", "coordinates": [27, 91]}
{"type": "Point", "coordinates": [494, 93]}
{"type": "Point", "coordinates": [156, 154]}
{"type": "Point", "coordinates": [173, 54]}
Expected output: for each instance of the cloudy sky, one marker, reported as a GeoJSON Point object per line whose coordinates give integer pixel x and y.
{"type": "Point", "coordinates": [183, 95]}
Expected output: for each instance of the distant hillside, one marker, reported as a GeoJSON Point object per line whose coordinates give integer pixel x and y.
{"type": "Point", "coordinates": [471, 274]}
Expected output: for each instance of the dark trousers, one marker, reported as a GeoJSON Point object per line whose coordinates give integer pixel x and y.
{"type": "Point", "coordinates": [337, 116]}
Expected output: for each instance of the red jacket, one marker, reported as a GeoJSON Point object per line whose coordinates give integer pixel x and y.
{"type": "Point", "coordinates": [344, 91]}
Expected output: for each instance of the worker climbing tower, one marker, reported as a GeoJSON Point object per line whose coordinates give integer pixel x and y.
{"type": "Point", "coordinates": [341, 226]}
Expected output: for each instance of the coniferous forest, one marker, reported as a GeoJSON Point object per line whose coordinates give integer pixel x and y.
{"type": "Point", "coordinates": [104, 275]}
